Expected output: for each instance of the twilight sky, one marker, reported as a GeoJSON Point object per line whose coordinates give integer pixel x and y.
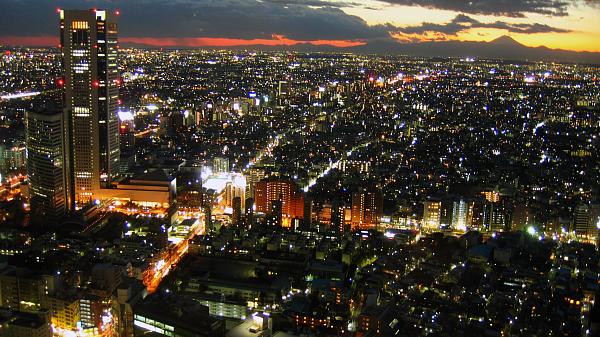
{"type": "Point", "coordinates": [564, 24]}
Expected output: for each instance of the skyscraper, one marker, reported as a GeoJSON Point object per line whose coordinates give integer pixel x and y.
{"type": "Point", "coordinates": [234, 189]}
{"type": "Point", "coordinates": [89, 50]}
{"type": "Point", "coordinates": [46, 165]}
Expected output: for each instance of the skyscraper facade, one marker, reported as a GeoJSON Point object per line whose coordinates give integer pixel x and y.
{"type": "Point", "coordinates": [367, 208]}
{"type": "Point", "coordinates": [462, 214]}
{"type": "Point", "coordinates": [46, 165]}
{"type": "Point", "coordinates": [253, 176]}
{"type": "Point", "coordinates": [90, 63]}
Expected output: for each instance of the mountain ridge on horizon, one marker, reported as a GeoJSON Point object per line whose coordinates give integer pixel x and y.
{"type": "Point", "coordinates": [503, 47]}
{"type": "Point", "coordinates": [506, 40]}
{"type": "Point", "coordinates": [493, 49]}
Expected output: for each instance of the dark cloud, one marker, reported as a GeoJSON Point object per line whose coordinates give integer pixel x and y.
{"type": "Point", "coordinates": [296, 19]}
{"type": "Point", "coordinates": [510, 8]}
{"type": "Point", "coordinates": [302, 20]}
{"type": "Point", "coordinates": [463, 22]}
{"type": "Point", "coordinates": [524, 28]}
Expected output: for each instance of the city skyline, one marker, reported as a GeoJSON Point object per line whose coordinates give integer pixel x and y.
{"type": "Point", "coordinates": [341, 25]}
{"type": "Point", "coordinates": [288, 193]}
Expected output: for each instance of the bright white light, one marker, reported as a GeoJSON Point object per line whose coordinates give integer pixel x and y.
{"type": "Point", "coordinates": [239, 181]}
{"type": "Point", "coordinates": [539, 125]}
{"type": "Point", "coordinates": [125, 116]}
{"type": "Point", "coordinates": [20, 95]}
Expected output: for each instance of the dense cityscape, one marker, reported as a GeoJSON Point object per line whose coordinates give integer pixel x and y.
{"type": "Point", "coordinates": [187, 192]}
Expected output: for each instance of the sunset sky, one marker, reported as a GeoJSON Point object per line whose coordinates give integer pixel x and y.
{"type": "Point", "coordinates": [564, 24]}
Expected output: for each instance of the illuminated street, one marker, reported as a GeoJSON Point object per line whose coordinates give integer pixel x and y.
{"type": "Point", "coordinates": [168, 259]}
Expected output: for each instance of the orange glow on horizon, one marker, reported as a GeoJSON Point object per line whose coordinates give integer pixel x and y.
{"type": "Point", "coordinates": [567, 41]}
{"type": "Point", "coordinates": [276, 40]}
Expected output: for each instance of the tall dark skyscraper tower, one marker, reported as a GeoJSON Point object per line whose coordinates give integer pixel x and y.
{"type": "Point", "coordinates": [91, 80]}
{"type": "Point", "coordinates": [45, 165]}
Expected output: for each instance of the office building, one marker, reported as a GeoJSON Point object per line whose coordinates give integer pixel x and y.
{"type": "Point", "coordinates": [253, 176]}
{"type": "Point", "coordinates": [46, 166]}
{"type": "Point", "coordinates": [89, 49]}
{"type": "Point", "coordinates": [235, 189]}
{"type": "Point", "coordinates": [432, 214]}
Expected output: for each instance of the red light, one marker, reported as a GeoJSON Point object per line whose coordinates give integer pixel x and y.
{"type": "Point", "coordinates": [96, 84]}
{"type": "Point", "coordinates": [7, 53]}
{"type": "Point", "coordinates": [119, 101]}
{"type": "Point", "coordinates": [118, 81]}
{"type": "Point", "coordinates": [57, 10]}
{"type": "Point", "coordinates": [117, 12]}
{"type": "Point", "coordinates": [60, 82]}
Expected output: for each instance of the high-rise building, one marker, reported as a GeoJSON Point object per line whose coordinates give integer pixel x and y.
{"type": "Point", "coordinates": [236, 212]}
{"type": "Point", "coordinates": [91, 80]}
{"type": "Point", "coordinates": [367, 208]}
{"type": "Point", "coordinates": [497, 216]}
{"type": "Point", "coordinates": [253, 176]}
{"type": "Point", "coordinates": [586, 220]}
{"type": "Point", "coordinates": [431, 214]}
{"type": "Point", "coordinates": [462, 214]}
{"type": "Point", "coordinates": [220, 164]}
{"type": "Point", "coordinates": [234, 189]}
{"type": "Point", "coordinates": [581, 219]}
{"type": "Point", "coordinates": [292, 199]}
{"type": "Point", "coordinates": [324, 214]}
{"type": "Point", "coordinates": [12, 158]}
{"type": "Point", "coordinates": [46, 166]}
